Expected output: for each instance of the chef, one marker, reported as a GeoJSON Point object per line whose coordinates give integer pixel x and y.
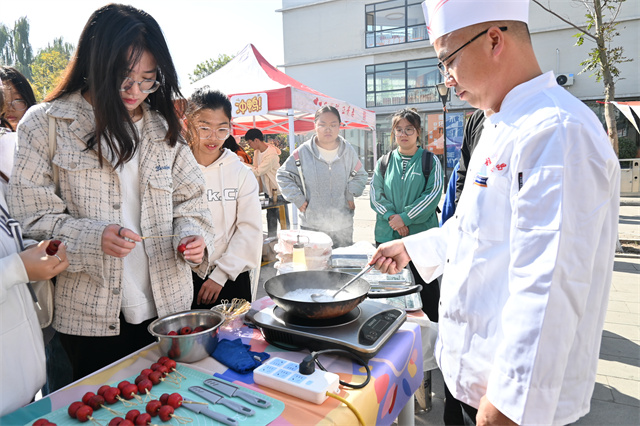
{"type": "Point", "coordinates": [527, 259]}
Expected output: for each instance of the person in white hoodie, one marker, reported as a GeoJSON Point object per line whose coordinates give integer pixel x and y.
{"type": "Point", "coordinates": [232, 197]}
{"type": "Point", "coordinates": [22, 359]}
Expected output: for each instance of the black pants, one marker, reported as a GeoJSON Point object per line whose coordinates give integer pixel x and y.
{"type": "Point", "coordinates": [88, 354]}
{"type": "Point", "coordinates": [430, 294]}
{"type": "Point", "coordinates": [457, 412]}
{"type": "Point", "coordinates": [240, 288]}
{"type": "Point", "coordinates": [273, 217]}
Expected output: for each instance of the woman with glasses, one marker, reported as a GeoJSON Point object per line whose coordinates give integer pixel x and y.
{"type": "Point", "coordinates": [404, 199]}
{"type": "Point", "coordinates": [325, 182]}
{"type": "Point", "coordinates": [18, 96]}
{"type": "Point", "coordinates": [232, 197]}
{"type": "Point", "coordinates": [120, 173]}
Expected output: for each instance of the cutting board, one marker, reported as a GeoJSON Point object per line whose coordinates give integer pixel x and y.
{"type": "Point", "coordinates": [262, 417]}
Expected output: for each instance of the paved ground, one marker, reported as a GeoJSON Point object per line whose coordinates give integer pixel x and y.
{"type": "Point", "coordinates": [616, 398]}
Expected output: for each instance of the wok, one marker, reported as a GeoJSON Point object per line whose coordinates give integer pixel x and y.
{"type": "Point", "coordinates": [280, 287]}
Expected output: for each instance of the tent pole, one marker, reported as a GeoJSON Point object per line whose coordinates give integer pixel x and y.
{"type": "Point", "coordinates": [292, 136]}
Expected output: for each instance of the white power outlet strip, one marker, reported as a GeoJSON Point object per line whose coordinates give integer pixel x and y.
{"type": "Point", "coordinates": [284, 376]}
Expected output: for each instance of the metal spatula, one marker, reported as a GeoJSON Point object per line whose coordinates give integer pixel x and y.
{"type": "Point", "coordinates": [316, 296]}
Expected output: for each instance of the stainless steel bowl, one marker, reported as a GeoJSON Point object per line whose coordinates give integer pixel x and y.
{"type": "Point", "coordinates": [190, 347]}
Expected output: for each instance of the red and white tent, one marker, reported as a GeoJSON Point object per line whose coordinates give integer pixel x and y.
{"type": "Point", "coordinates": [266, 98]}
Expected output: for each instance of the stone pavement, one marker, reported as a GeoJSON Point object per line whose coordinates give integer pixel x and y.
{"type": "Point", "coordinates": [616, 398]}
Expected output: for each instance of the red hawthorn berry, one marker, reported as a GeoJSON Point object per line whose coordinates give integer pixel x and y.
{"type": "Point", "coordinates": [95, 402]}
{"type": "Point", "coordinates": [84, 413]}
{"type": "Point", "coordinates": [174, 400]}
{"type": "Point", "coordinates": [87, 396]}
{"type": "Point", "coordinates": [102, 389]}
{"type": "Point", "coordinates": [116, 421]}
{"type": "Point", "coordinates": [165, 413]}
{"type": "Point", "coordinates": [52, 247]}
{"type": "Point", "coordinates": [131, 415]}
{"type": "Point", "coordinates": [143, 419]}
{"type": "Point", "coordinates": [163, 398]}
{"type": "Point", "coordinates": [73, 408]}
{"type": "Point", "coordinates": [111, 395]}
{"type": "Point", "coordinates": [153, 406]}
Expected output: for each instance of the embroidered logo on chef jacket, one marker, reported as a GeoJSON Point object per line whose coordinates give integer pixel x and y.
{"type": "Point", "coordinates": [482, 176]}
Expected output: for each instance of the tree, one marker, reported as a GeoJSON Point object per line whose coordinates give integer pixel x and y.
{"type": "Point", "coordinates": [47, 70]}
{"type": "Point", "coordinates": [603, 59]}
{"type": "Point", "coordinates": [22, 47]}
{"type": "Point", "coordinates": [15, 49]}
{"type": "Point", "coordinates": [48, 66]}
{"type": "Point", "coordinates": [7, 56]}
{"type": "Point", "coordinates": [209, 66]}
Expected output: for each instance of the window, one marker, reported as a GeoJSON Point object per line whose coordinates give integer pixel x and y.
{"type": "Point", "coordinates": [393, 22]}
{"type": "Point", "coordinates": [406, 82]}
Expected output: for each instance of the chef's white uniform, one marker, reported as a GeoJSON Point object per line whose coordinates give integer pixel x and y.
{"type": "Point", "coordinates": [527, 259]}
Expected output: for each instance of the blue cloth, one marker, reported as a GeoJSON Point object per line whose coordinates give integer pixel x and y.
{"type": "Point", "coordinates": [237, 356]}
{"type": "Point", "coordinates": [449, 205]}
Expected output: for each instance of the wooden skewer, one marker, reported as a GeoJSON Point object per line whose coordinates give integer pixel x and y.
{"type": "Point", "coordinates": [158, 236]}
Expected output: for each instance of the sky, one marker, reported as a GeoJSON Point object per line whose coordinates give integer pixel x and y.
{"type": "Point", "coordinates": [195, 30]}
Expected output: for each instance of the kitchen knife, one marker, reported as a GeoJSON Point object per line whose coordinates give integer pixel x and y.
{"type": "Point", "coordinates": [200, 409]}
{"type": "Point", "coordinates": [219, 399]}
{"type": "Point", "coordinates": [233, 390]}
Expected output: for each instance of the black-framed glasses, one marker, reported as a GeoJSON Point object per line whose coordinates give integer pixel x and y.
{"type": "Point", "coordinates": [208, 132]}
{"type": "Point", "coordinates": [18, 104]}
{"type": "Point", "coordinates": [146, 86]}
{"type": "Point", "coordinates": [409, 131]}
{"type": "Point", "coordinates": [441, 64]}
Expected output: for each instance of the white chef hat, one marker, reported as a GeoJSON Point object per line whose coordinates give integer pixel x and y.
{"type": "Point", "coordinates": [445, 16]}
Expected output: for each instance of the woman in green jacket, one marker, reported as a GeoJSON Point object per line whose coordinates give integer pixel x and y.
{"type": "Point", "coordinates": [404, 198]}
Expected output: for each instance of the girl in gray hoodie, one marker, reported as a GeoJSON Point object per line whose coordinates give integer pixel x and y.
{"type": "Point", "coordinates": [322, 177]}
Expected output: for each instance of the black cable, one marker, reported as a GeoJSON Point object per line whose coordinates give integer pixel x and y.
{"type": "Point", "coordinates": [350, 355]}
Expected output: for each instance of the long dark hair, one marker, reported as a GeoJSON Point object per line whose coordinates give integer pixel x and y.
{"type": "Point", "coordinates": [231, 144]}
{"type": "Point", "coordinates": [114, 38]}
{"type": "Point", "coordinates": [204, 98]}
{"type": "Point", "coordinates": [20, 83]}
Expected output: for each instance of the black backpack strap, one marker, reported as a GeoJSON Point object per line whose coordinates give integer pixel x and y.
{"type": "Point", "coordinates": [384, 163]}
{"type": "Point", "coordinates": [427, 164]}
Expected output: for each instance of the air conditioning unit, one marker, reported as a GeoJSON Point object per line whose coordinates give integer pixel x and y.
{"type": "Point", "coordinates": [564, 79]}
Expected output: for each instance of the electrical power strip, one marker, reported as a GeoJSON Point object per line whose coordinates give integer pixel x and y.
{"type": "Point", "coordinates": [284, 376]}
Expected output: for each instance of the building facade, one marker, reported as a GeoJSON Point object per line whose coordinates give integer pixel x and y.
{"type": "Point", "coordinates": [376, 54]}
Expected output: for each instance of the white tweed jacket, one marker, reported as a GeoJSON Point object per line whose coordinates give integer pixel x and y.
{"type": "Point", "coordinates": [88, 293]}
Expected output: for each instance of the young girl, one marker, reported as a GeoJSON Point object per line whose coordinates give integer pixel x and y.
{"type": "Point", "coordinates": [232, 196]}
{"type": "Point", "coordinates": [123, 173]}
{"type": "Point", "coordinates": [404, 199]}
{"type": "Point", "coordinates": [333, 176]}
{"type": "Point", "coordinates": [19, 96]}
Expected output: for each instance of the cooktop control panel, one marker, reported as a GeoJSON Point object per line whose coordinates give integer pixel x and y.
{"type": "Point", "coordinates": [376, 326]}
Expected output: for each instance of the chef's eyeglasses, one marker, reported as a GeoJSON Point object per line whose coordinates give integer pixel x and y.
{"type": "Point", "coordinates": [18, 104]}
{"type": "Point", "coordinates": [146, 86]}
{"type": "Point", "coordinates": [208, 132]}
{"type": "Point", "coordinates": [409, 131]}
{"type": "Point", "coordinates": [441, 64]}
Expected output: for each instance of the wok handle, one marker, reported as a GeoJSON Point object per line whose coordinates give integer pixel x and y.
{"type": "Point", "coordinates": [417, 288]}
